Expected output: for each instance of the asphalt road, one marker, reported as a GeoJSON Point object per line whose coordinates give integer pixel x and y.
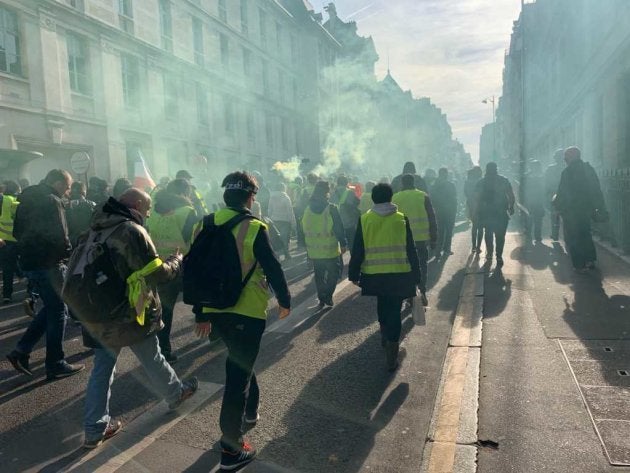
{"type": "Point", "coordinates": [327, 404]}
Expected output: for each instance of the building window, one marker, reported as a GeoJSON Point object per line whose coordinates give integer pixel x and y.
{"type": "Point", "coordinates": [78, 64]}
{"type": "Point", "coordinates": [228, 115]}
{"type": "Point", "coordinates": [225, 49]}
{"type": "Point", "coordinates": [10, 58]}
{"type": "Point", "coordinates": [262, 26]}
{"type": "Point", "coordinates": [247, 62]}
{"type": "Point", "coordinates": [202, 105]}
{"type": "Point", "coordinates": [269, 130]}
{"type": "Point", "coordinates": [78, 4]}
{"type": "Point", "coordinates": [223, 11]}
{"type": "Point", "coordinates": [279, 37]}
{"type": "Point", "coordinates": [251, 127]}
{"type": "Point", "coordinates": [170, 97]}
{"type": "Point", "coordinates": [130, 81]}
{"type": "Point", "coordinates": [125, 15]}
{"type": "Point", "coordinates": [244, 18]}
{"type": "Point", "coordinates": [166, 25]}
{"type": "Point", "coordinates": [198, 41]}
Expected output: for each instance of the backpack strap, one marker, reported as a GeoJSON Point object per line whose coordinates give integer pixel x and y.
{"type": "Point", "coordinates": [228, 226]}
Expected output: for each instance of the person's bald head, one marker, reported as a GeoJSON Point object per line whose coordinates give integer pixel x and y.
{"type": "Point", "coordinates": [571, 154]}
{"type": "Point", "coordinates": [137, 200]}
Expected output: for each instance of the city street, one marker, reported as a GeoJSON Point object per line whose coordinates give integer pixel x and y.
{"type": "Point", "coordinates": [551, 338]}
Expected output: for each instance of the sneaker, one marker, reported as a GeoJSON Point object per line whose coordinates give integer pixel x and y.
{"type": "Point", "coordinates": [20, 362]}
{"type": "Point", "coordinates": [29, 307]}
{"type": "Point", "coordinates": [235, 459]}
{"type": "Point", "coordinates": [112, 429]}
{"type": "Point", "coordinates": [252, 420]}
{"type": "Point", "coordinates": [189, 387]}
{"type": "Point", "coordinates": [329, 303]}
{"type": "Point", "coordinates": [64, 370]}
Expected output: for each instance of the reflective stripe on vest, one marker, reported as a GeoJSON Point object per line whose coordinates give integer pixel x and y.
{"type": "Point", "coordinates": [385, 241]}
{"type": "Point", "coordinates": [255, 294]}
{"type": "Point", "coordinates": [411, 203]}
{"type": "Point", "coordinates": [166, 230]}
{"type": "Point", "coordinates": [321, 242]}
{"type": "Point", "coordinates": [9, 205]}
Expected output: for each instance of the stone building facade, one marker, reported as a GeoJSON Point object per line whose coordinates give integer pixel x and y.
{"type": "Point", "coordinates": [235, 81]}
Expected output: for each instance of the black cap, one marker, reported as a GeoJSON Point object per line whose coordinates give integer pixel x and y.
{"type": "Point", "coordinates": [183, 174]}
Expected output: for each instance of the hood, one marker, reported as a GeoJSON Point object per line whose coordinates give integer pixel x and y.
{"type": "Point", "coordinates": [385, 209]}
{"type": "Point", "coordinates": [317, 204]}
{"type": "Point", "coordinates": [166, 202]}
{"type": "Point", "coordinates": [112, 213]}
{"type": "Point", "coordinates": [37, 193]}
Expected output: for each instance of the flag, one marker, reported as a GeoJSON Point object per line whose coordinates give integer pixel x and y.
{"type": "Point", "coordinates": [142, 177]}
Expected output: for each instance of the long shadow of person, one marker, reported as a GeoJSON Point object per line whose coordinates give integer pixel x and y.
{"type": "Point", "coordinates": [497, 293]}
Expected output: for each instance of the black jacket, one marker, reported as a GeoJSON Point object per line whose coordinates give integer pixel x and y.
{"type": "Point", "coordinates": [391, 284]}
{"type": "Point", "coordinates": [579, 192]}
{"type": "Point", "coordinates": [40, 228]}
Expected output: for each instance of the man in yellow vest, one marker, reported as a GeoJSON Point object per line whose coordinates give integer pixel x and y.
{"type": "Point", "coordinates": [171, 227]}
{"type": "Point", "coordinates": [416, 205]}
{"type": "Point", "coordinates": [384, 264]}
{"type": "Point", "coordinates": [366, 198]}
{"type": "Point", "coordinates": [325, 242]}
{"type": "Point", "coordinates": [241, 327]}
{"type": "Point", "coordinates": [8, 245]}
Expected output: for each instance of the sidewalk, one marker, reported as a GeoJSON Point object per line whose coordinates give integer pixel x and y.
{"type": "Point", "coordinates": [554, 391]}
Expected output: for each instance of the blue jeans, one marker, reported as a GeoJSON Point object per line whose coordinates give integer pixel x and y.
{"type": "Point", "coordinates": [163, 379]}
{"type": "Point", "coordinates": [51, 319]}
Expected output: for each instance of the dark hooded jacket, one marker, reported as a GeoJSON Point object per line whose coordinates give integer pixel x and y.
{"type": "Point", "coordinates": [40, 228]}
{"type": "Point", "coordinates": [131, 250]}
{"type": "Point", "coordinates": [579, 192]}
{"type": "Point", "coordinates": [418, 181]}
{"type": "Point", "coordinates": [318, 205]}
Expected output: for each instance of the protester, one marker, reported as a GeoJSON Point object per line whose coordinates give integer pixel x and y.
{"type": "Point", "coordinates": [241, 327]}
{"type": "Point", "coordinates": [579, 200]}
{"type": "Point", "coordinates": [282, 214]}
{"type": "Point", "coordinates": [325, 242]}
{"type": "Point", "coordinates": [78, 212]}
{"type": "Point", "coordinates": [366, 203]}
{"type": "Point", "coordinates": [43, 245]}
{"type": "Point", "coordinates": [195, 196]}
{"type": "Point", "coordinates": [409, 168]}
{"type": "Point", "coordinates": [552, 181]}
{"type": "Point", "coordinates": [495, 204]}
{"type": "Point", "coordinates": [120, 186]}
{"type": "Point", "coordinates": [384, 263]}
{"type": "Point", "coordinates": [535, 201]}
{"type": "Point", "coordinates": [171, 227]}
{"type": "Point", "coordinates": [97, 190]}
{"type": "Point", "coordinates": [8, 245]}
{"type": "Point", "coordinates": [137, 265]}
{"type": "Point", "coordinates": [348, 204]}
{"type": "Point", "coordinates": [444, 197]}
{"type": "Point", "coordinates": [417, 207]}
{"type": "Point", "coordinates": [472, 178]}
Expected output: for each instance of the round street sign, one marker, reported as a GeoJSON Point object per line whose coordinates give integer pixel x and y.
{"type": "Point", "coordinates": [80, 162]}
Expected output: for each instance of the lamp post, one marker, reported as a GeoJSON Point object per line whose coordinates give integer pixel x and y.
{"type": "Point", "coordinates": [494, 126]}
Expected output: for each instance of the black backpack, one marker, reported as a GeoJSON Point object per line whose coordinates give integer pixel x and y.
{"type": "Point", "coordinates": [212, 274]}
{"type": "Point", "coordinates": [92, 288]}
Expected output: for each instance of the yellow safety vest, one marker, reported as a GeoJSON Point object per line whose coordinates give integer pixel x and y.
{"type": "Point", "coordinates": [321, 242]}
{"type": "Point", "coordinates": [166, 230]}
{"type": "Point", "coordinates": [9, 206]}
{"type": "Point", "coordinates": [385, 242]}
{"type": "Point", "coordinates": [255, 294]}
{"type": "Point", "coordinates": [365, 203]}
{"type": "Point", "coordinates": [411, 203]}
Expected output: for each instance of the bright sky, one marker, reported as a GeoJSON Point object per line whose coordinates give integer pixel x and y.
{"type": "Point", "coordinates": [449, 50]}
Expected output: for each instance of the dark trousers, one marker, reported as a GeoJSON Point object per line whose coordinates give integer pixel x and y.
{"type": "Point", "coordinates": [8, 261]}
{"type": "Point", "coordinates": [535, 221]}
{"type": "Point", "coordinates": [423, 259]}
{"type": "Point", "coordinates": [327, 272]}
{"type": "Point", "coordinates": [350, 233]}
{"type": "Point", "coordinates": [555, 225]}
{"type": "Point", "coordinates": [388, 310]}
{"type": "Point", "coordinates": [577, 235]}
{"type": "Point", "coordinates": [168, 293]}
{"type": "Point", "coordinates": [476, 233]}
{"type": "Point", "coordinates": [242, 337]}
{"type": "Point", "coordinates": [445, 224]}
{"type": "Point", "coordinates": [495, 231]}
{"type": "Point", "coordinates": [51, 319]}
{"type": "Point", "coordinates": [285, 235]}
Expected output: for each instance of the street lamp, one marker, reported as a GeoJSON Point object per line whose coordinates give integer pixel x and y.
{"type": "Point", "coordinates": [494, 126]}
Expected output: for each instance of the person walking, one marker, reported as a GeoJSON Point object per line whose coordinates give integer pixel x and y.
{"type": "Point", "coordinates": [195, 196]}
{"type": "Point", "coordinates": [325, 242]}
{"type": "Point", "coordinates": [170, 227]}
{"type": "Point", "coordinates": [366, 203]}
{"type": "Point", "coordinates": [535, 202]}
{"type": "Point", "coordinates": [579, 200]}
{"type": "Point", "coordinates": [495, 204]}
{"type": "Point", "coordinates": [552, 181]}
{"type": "Point", "coordinates": [282, 215]}
{"type": "Point", "coordinates": [444, 196]}
{"type": "Point", "coordinates": [137, 320]}
{"type": "Point", "coordinates": [8, 244]}
{"type": "Point", "coordinates": [419, 182]}
{"type": "Point", "coordinates": [348, 204]}
{"type": "Point", "coordinates": [78, 212]}
{"type": "Point", "coordinates": [416, 206]}
{"type": "Point", "coordinates": [384, 263]}
{"type": "Point", "coordinates": [241, 327]}
{"type": "Point", "coordinates": [472, 178]}
{"type": "Point", "coordinates": [43, 246]}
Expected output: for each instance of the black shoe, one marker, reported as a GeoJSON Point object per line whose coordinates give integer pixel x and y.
{"type": "Point", "coordinates": [63, 370]}
{"type": "Point", "coordinates": [252, 419]}
{"type": "Point", "coordinates": [20, 362]}
{"type": "Point", "coordinates": [235, 459]}
{"type": "Point", "coordinates": [391, 354]}
{"type": "Point", "coordinates": [329, 303]}
{"type": "Point", "coordinates": [112, 429]}
{"type": "Point", "coordinates": [171, 358]}
{"type": "Point", "coordinates": [29, 307]}
{"type": "Point", "coordinates": [189, 387]}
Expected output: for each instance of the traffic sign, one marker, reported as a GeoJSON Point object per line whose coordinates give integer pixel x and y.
{"type": "Point", "coordinates": [80, 162]}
